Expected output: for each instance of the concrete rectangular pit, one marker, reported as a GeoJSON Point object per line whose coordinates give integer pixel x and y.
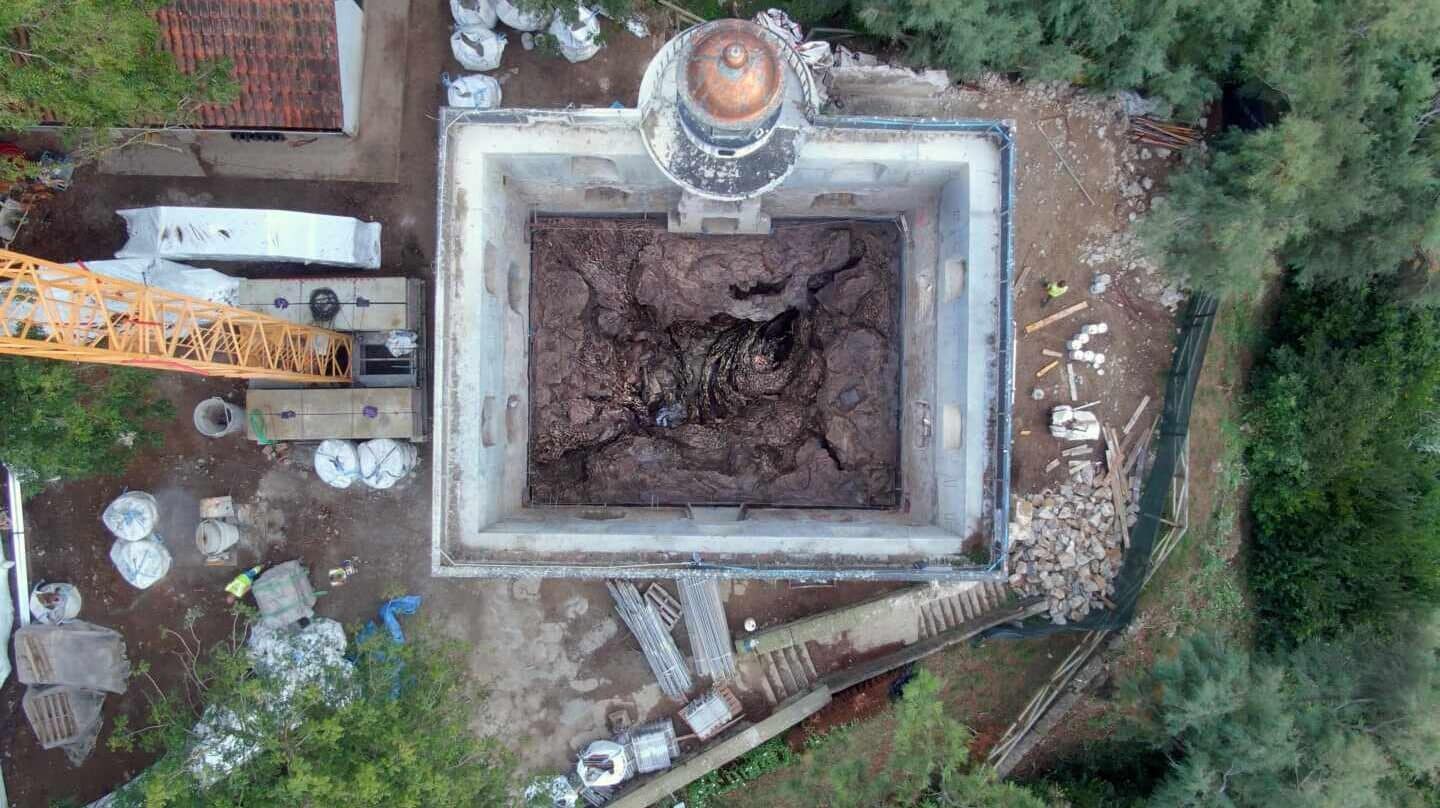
{"type": "Point", "coordinates": [946, 184]}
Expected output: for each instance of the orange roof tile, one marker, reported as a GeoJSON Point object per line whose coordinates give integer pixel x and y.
{"type": "Point", "coordinates": [285, 54]}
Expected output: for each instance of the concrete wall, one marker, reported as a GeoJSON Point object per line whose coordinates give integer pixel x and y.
{"type": "Point", "coordinates": [350, 41]}
{"type": "Point", "coordinates": [500, 168]}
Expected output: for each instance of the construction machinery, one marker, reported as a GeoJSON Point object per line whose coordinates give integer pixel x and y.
{"type": "Point", "coordinates": [64, 312]}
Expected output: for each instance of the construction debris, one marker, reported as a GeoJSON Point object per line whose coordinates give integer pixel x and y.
{"type": "Point", "coordinates": [1066, 547]}
{"type": "Point", "coordinates": [709, 632]}
{"type": "Point", "coordinates": [710, 714]}
{"type": "Point", "coordinates": [655, 641]}
{"type": "Point", "coordinates": [1068, 423]}
{"type": "Point", "coordinates": [1054, 363]}
{"type": "Point", "coordinates": [1051, 354]}
{"type": "Point", "coordinates": [1153, 132]}
{"type": "Point", "coordinates": [1077, 450]}
{"type": "Point", "coordinates": [666, 607]}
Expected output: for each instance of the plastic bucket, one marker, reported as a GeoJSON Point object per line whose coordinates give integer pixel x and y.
{"type": "Point", "coordinates": [213, 536]}
{"type": "Point", "coordinates": [216, 418]}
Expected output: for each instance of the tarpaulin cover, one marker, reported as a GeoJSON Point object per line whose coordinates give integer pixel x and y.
{"type": "Point", "coordinates": [206, 284]}
{"type": "Point", "coordinates": [77, 653]}
{"type": "Point", "coordinates": [242, 234]}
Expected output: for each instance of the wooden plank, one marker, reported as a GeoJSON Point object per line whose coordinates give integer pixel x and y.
{"type": "Point", "coordinates": [1052, 354]}
{"type": "Point", "coordinates": [1054, 363]}
{"type": "Point", "coordinates": [1075, 451]}
{"type": "Point", "coordinates": [1117, 484]}
{"type": "Point", "coordinates": [1057, 316]}
{"type": "Point", "coordinates": [1135, 416]}
{"type": "Point", "coordinates": [1052, 465]}
{"type": "Point", "coordinates": [1070, 370]}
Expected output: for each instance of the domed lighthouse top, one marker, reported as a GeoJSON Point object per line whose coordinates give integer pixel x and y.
{"type": "Point", "coordinates": [724, 107]}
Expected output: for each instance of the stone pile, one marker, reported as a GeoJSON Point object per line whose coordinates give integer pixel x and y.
{"type": "Point", "coordinates": [1065, 547]}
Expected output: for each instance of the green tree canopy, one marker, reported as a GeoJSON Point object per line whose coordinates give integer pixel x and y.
{"type": "Point", "coordinates": [927, 764]}
{"type": "Point", "coordinates": [96, 64]}
{"type": "Point", "coordinates": [1347, 724]}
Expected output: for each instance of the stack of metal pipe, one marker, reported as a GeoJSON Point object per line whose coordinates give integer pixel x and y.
{"type": "Point", "coordinates": [655, 641]}
{"type": "Point", "coordinates": [709, 632]}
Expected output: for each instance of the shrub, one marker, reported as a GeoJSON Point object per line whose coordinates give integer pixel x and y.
{"type": "Point", "coordinates": [73, 421]}
{"type": "Point", "coordinates": [1345, 496]}
{"type": "Point", "coordinates": [398, 737]}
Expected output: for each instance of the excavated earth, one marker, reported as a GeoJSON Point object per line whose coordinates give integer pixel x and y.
{"type": "Point", "coordinates": [675, 369]}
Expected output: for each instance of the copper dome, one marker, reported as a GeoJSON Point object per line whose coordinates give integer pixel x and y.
{"type": "Point", "coordinates": [731, 76]}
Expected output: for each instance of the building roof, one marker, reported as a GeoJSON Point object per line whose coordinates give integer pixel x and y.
{"type": "Point", "coordinates": [285, 55]}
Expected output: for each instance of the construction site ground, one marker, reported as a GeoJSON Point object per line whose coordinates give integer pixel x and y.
{"type": "Point", "coordinates": [553, 654]}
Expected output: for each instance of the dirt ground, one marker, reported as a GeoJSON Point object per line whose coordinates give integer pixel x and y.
{"type": "Point", "coordinates": [671, 369]}
{"type": "Point", "coordinates": [552, 653]}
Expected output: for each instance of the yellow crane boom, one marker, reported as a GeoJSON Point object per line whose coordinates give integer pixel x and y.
{"type": "Point", "coordinates": [61, 312]}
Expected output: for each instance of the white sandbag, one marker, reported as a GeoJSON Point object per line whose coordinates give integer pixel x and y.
{"type": "Point", "coordinates": [131, 516]}
{"type": "Point", "coordinates": [206, 284]}
{"type": "Point", "coordinates": [477, 48]}
{"type": "Point", "coordinates": [467, 13]}
{"type": "Point", "coordinates": [243, 234]}
{"type": "Point", "coordinates": [579, 40]}
{"type": "Point", "coordinates": [337, 463]}
{"type": "Point", "coordinates": [141, 563]}
{"type": "Point", "coordinates": [472, 92]}
{"type": "Point", "coordinates": [521, 20]}
{"type": "Point", "coordinates": [384, 462]}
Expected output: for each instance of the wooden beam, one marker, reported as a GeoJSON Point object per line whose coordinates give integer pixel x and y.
{"type": "Point", "coordinates": [1135, 416]}
{"type": "Point", "coordinates": [1057, 316]}
{"type": "Point", "coordinates": [1054, 363]}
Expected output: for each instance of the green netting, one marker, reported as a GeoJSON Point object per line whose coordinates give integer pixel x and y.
{"type": "Point", "coordinates": [1168, 443]}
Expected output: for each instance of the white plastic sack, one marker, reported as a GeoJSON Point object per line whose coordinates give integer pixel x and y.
{"type": "Point", "coordinates": [579, 40]}
{"type": "Point", "coordinates": [816, 53]}
{"type": "Point", "coordinates": [337, 463]}
{"type": "Point", "coordinates": [468, 13]}
{"type": "Point", "coordinates": [206, 284]}
{"type": "Point", "coordinates": [477, 48]}
{"type": "Point", "coordinates": [779, 23]}
{"type": "Point", "coordinates": [243, 234]}
{"type": "Point", "coordinates": [513, 16]}
{"type": "Point", "coordinates": [131, 516]}
{"type": "Point", "coordinates": [402, 343]}
{"type": "Point", "coordinates": [473, 92]}
{"type": "Point", "coordinates": [141, 563]}
{"type": "Point", "coordinates": [384, 462]}
{"type": "Point", "coordinates": [53, 604]}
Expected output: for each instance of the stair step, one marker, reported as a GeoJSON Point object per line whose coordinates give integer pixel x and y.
{"type": "Point", "coordinates": [808, 662]}
{"type": "Point", "coordinates": [787, 676]}
{"type": "Point", "coordinates": [772, 675]}
{"type": "Point", "coordinates": [768, 691]}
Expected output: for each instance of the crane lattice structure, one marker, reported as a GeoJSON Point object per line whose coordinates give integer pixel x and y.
{"type": "Point", "coordinates": [61, 312]}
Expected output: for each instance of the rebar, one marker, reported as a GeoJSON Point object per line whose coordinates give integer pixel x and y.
{"type": "Point", "coordinates": [655, 641]}
{"type": "Point", "coordinates": [709, 631]}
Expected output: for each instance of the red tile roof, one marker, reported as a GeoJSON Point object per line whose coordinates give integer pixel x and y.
{"type": "Point", "coordinates": [285, 55]}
